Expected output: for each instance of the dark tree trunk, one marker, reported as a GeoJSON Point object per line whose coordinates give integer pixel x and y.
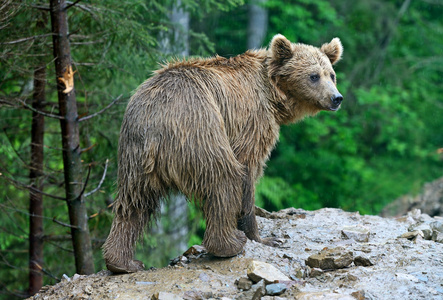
{"type": "Point", "coordinates": [36, 199]}
{"type": "Point", "coordinates": [70, 139]}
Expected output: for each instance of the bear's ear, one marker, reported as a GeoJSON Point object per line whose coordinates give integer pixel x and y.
{"type": "Point", "coordinates": [281, 48]}
{"type": "Point", "coordinates": [333, 50]}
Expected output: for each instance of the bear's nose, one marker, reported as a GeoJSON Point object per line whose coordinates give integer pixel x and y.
{"type": "Point", "coordinates": [337, 99]}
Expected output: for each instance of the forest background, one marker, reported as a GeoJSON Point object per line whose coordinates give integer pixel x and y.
{"type": "Point", "coordinates": [381, 144]}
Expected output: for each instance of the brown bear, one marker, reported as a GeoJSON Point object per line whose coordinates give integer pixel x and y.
{"type": "Point", "coordinates": [205, 127]}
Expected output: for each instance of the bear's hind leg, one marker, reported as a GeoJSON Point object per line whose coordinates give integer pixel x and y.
{"type": "Point", "coordinates": [129, 222]}
{"type": "Point", "coordinates": [118, 249]}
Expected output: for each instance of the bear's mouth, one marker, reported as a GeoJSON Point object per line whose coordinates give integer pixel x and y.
{"type": "Point", "coordinates": [334, 108]}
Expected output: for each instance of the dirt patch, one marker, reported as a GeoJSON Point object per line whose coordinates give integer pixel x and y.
{"type": "Point", "coordinates": [387, 266]}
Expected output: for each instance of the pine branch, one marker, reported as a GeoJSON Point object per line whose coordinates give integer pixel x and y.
{"type": "Point", "coordinates": [101, 111]}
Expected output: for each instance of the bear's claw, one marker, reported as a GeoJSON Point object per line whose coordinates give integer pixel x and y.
{"type": "Point", "coordinates": [132, 267]}
{"type": "Point", "coordinates": [220, 248]}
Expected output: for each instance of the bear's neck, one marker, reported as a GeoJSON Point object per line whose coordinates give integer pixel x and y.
{"type": "Point", "coordinates": [286, 108]}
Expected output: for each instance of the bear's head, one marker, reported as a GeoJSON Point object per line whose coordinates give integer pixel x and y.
{"type": "Point", "coordinates": [304, 74]}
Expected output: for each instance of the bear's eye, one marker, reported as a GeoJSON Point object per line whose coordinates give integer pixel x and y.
{"type": "Point", "coordinates": [315, 77]}
{"type": "Point", "coordinates": [333, 77]}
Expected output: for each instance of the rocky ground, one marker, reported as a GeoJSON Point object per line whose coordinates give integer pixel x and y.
{"type": "Point", "coordinates": [327, 254]}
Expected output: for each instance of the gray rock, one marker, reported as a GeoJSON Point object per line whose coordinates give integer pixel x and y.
{"type": "Point", "coordinates": [258, 270]}
{"type": "Point", "coordinates": [197, 295]}
{"type": "Point", "coordinates": [359, 295]}
{"type": "Point", "coordinates": [204, 277]}
{"type": "Point", "coordinates": [362, 261]}
{"type": "Point", "coordinates": [323, 296]}
{"type": "Point", "coordinates": [316, 272]}
{"type": "Point", "coordinates": [412, 234]}
{"type": "Point", "coordinates": [437, 236]}
{"type": "Point", "coordinates": [166, 296]}
{"type": "Point", "coordinates": [244, 284]}
{"type": "Point", "coordinates": [300, 273]}
{"type": "Point", "coordinates": [256, 292]}
{"type": "Point", "coordinates": [357, 233]}
{"type": "Point", "coordinates": [425, 228]}
{"type": "Point", "coordinates": [327, 259]}
{"type": "Point", "coordinates": [275, 289]}
{"type": "Point", "coordinates": [437, 226]}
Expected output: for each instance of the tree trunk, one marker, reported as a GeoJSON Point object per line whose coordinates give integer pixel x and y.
{"type": "Point", "coordinates": [36, 199]}
{"type": "Point", "coordinates": [70, 139]}
{"type": "Point", "coordinates": [258, 24]}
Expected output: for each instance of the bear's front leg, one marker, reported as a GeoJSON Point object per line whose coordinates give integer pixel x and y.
{"type": "Point", "coordinates": [222, 208]}
{"type": "Point", "coordinates": [247, 221]}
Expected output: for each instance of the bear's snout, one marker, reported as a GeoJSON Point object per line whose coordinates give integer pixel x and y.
{"type": "Point", "coordinates": [337, 99]}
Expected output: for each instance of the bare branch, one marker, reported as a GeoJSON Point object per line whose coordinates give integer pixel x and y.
{"type": "Point", "coordinates": [49, 274]}
{"type": "Point", "coordinates": [15, 150]}
{"type": "Point", "coordinates": [101, 111]}
{"type": "Point", "coordinates": [64, 224]}
{"type": "Point", "coordinates": [44, 194]}
{"type": "Point", "coordinates": [7, 102]}
{"type": "Point", "coordinates": [57, 238]}
{"type": "Point", "coordinates": [84, 185]}
{"type": "Point", "coordinates": [101, 181]}
{"type": "Point", "coordinates": [26, 39]}
{"type": "Point", "coordinates": [72, 4]}
{"type": "Point", "coordinates": [57, 245]}
{"type": "Point", "coordinates": [40, 112]}
{"type": "Point", "coordinates": [89, 148]}
{"type": "Point", "coordinates": [40, 7]}
{"type": "Point", "coordinates": [21, 185]}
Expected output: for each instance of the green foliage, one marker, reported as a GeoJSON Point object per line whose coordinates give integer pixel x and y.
{"type": "Point", "coordinates": [307, 19]}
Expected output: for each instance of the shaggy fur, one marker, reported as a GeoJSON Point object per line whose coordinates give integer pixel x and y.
{"type": "Point", "coordinates": [206, 127]}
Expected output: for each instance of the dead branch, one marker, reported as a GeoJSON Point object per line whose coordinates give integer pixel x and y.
{"type": "Point", "coordinates": [87, 149]}
{"type": "Point", "coordinates": [24, 212]}
{"type": "Point", "coordinates": [72, 4]}
{"type": "Point", "coordinates": [26, 39]}
{"type": "Point", "coordinates": [40, 7]}
{"type": "Point", "coordinates": [84, 185]}
{"type": "Point", "coordinates": [21, 185]}
{"type": "Point", "coordinates": [15, 150]}
{"type": "Point", "coordinates": [45, 194]}
{"type": "Point", "coordinates": [49, 274]}
{"type": "Point", "coordinates": [64, 224]}
{"type": "Point", "coordinates": [101, 111]}
{"type": "Point", "coordinates": [56, 238]}
{"type": "Point", "coordinates": [101, 181]}
{"type": "Point", "coordinates": [60, 247]}
{"type": "Point", "coordinates": [40, 112]}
